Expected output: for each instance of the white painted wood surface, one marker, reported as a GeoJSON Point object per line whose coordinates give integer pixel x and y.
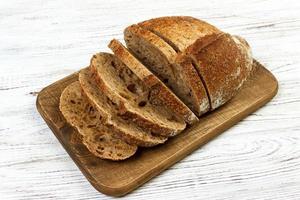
{"type": "Point", "coordinates": [43, 41]}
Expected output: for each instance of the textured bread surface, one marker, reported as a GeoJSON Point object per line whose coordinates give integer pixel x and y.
{"type": "Point", "coordinates": [223, 66]}
{"type": "Point", "coordinates": [159, 91]}
{"type": "Point", "coordinates": [223, 63]}
{"type": "Point", "coordinates": [177, 73]}
{"type": "Point", "coordinates": [129, 93]}
{"type": "Point", "coordinates": [97, 137]}
{"type": "Point", "coordinates": [175, 69]}
{"type": "Point", "coordinates": [191, 89]}
{"type": "Point", "coordinates": [125, 129]}
{"type": "Point", "coordinates": [179, 31]}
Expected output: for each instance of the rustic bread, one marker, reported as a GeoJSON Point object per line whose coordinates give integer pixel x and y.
{"type": "Point", "coordinates": [98, 138]}
{"type": "Point", "coordinates": [159, 92]}
{"type": "Point", "coordinates": [125, 89]}
{"type": "Point", "coordinates": [124, 129]}
{"type": "Point", "coordinates": [188, 36]}
{"type": "Point", "coordinates": [175, 71]}
{"type": "Point", "coordinates": [179, 31]}
{"type": "Point", "coordinates": [223, 63]}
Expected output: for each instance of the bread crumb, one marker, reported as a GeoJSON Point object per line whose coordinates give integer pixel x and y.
{"type": "Point", "coordinates": [33, 93]}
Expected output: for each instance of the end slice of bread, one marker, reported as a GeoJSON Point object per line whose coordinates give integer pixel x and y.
{"type": "Point", "coordinates": [175, 71]}
{"type": "Point", "coordinates": [161, 94]}
{"type": "Point", "coordinates": [98, 138]}
{"type": "Point", "coordinates": [127, 130]}
{"type": "Point", "coordinates": [224, 64]}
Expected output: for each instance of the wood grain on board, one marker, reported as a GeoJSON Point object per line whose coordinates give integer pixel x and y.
{"type": "Point", "coordinates": [119, 178]}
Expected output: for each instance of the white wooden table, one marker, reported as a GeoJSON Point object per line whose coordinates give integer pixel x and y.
{"type": "Point", "coordinates": [43, 41]}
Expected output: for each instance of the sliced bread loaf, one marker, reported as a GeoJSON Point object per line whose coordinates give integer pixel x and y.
{"type": "Point", "coordinates": [223, 63]}
{"type": "Point", "coordinates": [160, 93]}
{"type": "Point", "coordinates": [98, 138]}
{"type": "Point", "coordinates": [188, 36]}
{"type": "Point", "coordinates": [175, 71]}
{"type": "Point", "coordinates": [179, 31]}
{"type": "Point", "coordinates": [124, 129]}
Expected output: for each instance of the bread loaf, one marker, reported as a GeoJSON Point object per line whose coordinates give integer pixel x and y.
{"type": "Point", "coordinates": [223, 66]}
{"type": "Point", "coordinates": [177, 73]}
{"type": "Point", "coordinates": [175, 69]}
{"type": "Point", "coordinates": [224, 62]}
{"type": "Point", "coordinates": [98, 138]}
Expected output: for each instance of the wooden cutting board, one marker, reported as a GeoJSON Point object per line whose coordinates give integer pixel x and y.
{"type": "Point", "coordinates": [119, 178]}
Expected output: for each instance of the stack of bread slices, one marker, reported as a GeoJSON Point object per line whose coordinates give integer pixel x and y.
{"type": "Point", "coordinates": [173, 70]}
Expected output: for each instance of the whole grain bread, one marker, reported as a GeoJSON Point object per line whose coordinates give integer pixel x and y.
{"type": "Point", "coordinates": [127, 130]}
{"type": "Point", "coordinates": [160, 93]}
{"type": "Point", "coordinates": [97, 137]}
{"type": "Point", "coordinates": [179, 31]}
{"type": "Point", "coordinates": [175, 71]}
{"type": "Point", "coordinates": [223, 64]}
{"type": "Point", "coordinates": [132, 96]}
{"type": "Point", "coordinates": [188, 36]}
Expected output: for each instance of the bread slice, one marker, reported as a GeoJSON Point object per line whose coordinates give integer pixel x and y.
{"type": "Point", "coordinates": [179, 31]}
{"type": "Point", "coordinates": [175, 71]}
{"type": "Point", "coordinates": [124, 129]}
{"type": "Point", "coordinates": [132, 97]}
{"type": "Point", "coordinates": [159, 91]}
{"type": "Point", "coordinates": [98, 138]}
{"type": "Point", "coordinates": [223, 63]}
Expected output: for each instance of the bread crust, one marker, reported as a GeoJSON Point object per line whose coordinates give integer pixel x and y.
{"type": "Point", "coordinates": [179, 31]}
{"type": "Point", "coordinates": [224, 62]}
{"type": "Point", "coordinates": [217, 63]}
{"type": "Point", "coordinates": [194, 95]}
{"type": "Point", "coordinates": [201, 104]}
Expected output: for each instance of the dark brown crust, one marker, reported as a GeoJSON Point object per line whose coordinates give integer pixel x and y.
{"type": "Point", "coordinates": [161, 91]}
{"type": "Point", "coordinates": [222, 65]}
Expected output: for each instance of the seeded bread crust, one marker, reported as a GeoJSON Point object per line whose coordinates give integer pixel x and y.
{"type": "Point", "coordinates": [223, 63]}
{"type": "Point", "coordinates": [179, 31]}
{"type": "Point", "coordinates": [132, 97]}
{"type": "Point", "coordinates": [124, 129]}
{"type": "Point", "coordinates": [159, 91]}
{"type": "Point", "coordinates": [97, 137]}
{"type": "Point", "coordinates": [176, 72]}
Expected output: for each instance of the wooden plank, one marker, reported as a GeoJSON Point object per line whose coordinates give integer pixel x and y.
{"type": "Point", "coordinates": [119, 178]}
